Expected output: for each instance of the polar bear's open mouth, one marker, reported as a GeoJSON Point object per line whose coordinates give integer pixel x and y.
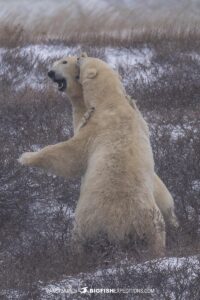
{"type": "Point", "coordinates": [61, 81]}
{"type": "Point", "coordinates": [62, 84]}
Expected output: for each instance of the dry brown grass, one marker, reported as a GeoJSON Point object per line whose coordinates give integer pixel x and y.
{"type": "Point", "coordinates": [44, 19]}
{"type": "Point", "coordinates": [114, 24]}
{"type": "Point", "coordinates": [12, 36]}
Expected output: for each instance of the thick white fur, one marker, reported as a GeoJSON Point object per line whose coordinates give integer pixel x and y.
{"type": "Point", "coordinates": [81, 116]}
{"type": "Point", "coordinates": [117, 190]}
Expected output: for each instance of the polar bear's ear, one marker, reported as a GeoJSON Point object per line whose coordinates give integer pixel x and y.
{"type": "Point", "coordinates": [83, 54]}
{"type": "Point", "coordinates": [79, 58]}
{"type": "Point", "coordinates": [91, 73]}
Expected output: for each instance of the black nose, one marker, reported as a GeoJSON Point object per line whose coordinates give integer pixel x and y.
{"type": "Point", "coordinates": [51, 74]}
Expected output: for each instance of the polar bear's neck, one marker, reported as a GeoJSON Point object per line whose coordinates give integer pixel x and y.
{"type": "Point", "coordinates": [78, 109]}
{"type": "Point", "coordinates": [103, 94]}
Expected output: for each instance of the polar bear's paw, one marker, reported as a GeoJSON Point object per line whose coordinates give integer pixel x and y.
{"type": "Point", "coordinates": [27, 158]}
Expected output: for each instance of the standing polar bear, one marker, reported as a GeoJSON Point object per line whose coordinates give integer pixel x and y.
{"type": "Point", "coordinates": [114, 157]}
{"type": "Point", "coordinates": [66, 73]}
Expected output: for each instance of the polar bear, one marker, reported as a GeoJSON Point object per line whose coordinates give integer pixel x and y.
{"type": "Point", "coordinates": [66, 73]}
{"type": "Point", "coordinates": [114, 157]}
{"type": "Point", "coordinates": [117, 190]}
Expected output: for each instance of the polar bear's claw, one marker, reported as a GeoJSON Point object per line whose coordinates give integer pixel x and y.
{"type": "Point", "coordinates": [26, 158]}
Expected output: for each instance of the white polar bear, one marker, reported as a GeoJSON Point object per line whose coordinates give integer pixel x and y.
{"type": "Point", "coordinates": [66, 70]}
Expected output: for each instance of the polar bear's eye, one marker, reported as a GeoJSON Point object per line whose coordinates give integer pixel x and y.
{"type": "Point", "coordinates": [64, 62]}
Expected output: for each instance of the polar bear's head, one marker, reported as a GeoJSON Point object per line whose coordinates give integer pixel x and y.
{"type": "Point", "coordinates": [101, 84]}
{"type": "Point", "coordinates": [94, 68]}
{"type": "Point", "coordinates": [90, 67]}
{"type": "Point", "coordinates": [65, 73]}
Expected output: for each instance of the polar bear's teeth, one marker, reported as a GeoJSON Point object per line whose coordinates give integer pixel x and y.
{"type": "Point", "coordinates": [60, 85]}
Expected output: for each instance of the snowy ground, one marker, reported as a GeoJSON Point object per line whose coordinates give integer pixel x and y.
{"type": "Point", "coordinates": [116, 57]}
{"type": "Point", "coordinates": [95, 283]}
{"type": "Point", "coordinates": [77, 285]}
{"type": "Point", "coordinates": [44, 54]}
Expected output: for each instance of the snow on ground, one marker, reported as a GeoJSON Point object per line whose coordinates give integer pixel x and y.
{"type": "Point", "coordinates": [178, 131]}
{"type": "Point", "coordinates": [133, 58]}
{"type": "Point", "coordinates": [114, 56]}
{"type": "Point", "coordinates": [51, 207]}
{"type": "Point", "coordinates": [73, 287]}
{"type": "Point", "coordinates": [175, 131]}
{"type": "Point", "coordinates": [117, 56]}
{"type": "Point", "coordinates": [196, 185]}
{"type": "Point", "coordinates": [76, 284]}
{"type": "Point", "coordinates": [195, 56]}
{"type": "Point", "coordinates": [45, 52]}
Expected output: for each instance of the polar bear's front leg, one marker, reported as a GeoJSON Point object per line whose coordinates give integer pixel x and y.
{"type": "Point", "coordinates": [64, 159]}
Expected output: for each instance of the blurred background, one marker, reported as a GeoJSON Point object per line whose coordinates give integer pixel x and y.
{"type": "Point", "coordinates": [63, 17]}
